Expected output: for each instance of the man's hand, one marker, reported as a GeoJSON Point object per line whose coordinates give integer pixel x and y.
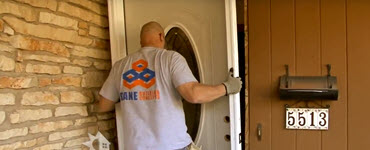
{"type": "Point", "coordinates": [232, 84]}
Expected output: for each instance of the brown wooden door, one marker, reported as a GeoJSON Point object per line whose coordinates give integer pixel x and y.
{"type": "Point", "coordinates": [307, 35]}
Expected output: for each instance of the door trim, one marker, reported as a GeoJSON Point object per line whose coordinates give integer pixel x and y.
{"type": "Point", "coordinates": [117, 30]}
{"type": "Point", "coordinates": [118, 48]}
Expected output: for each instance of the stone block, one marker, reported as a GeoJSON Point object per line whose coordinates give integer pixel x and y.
{"type": "Point", "coordinates": [11, 146]}
{"type": "Point", "coordinates": [95, 7]}
{"type": "Point", "coordinates": [89, 52]}
{"type": "Point", "coordinates": [67, 134]}
{"type": "Point", "coordinates": [19, 145]}
{"type": "Point", "coordinates": [6, 48]}
{"type": "Point", "coordinates": [19, 57]}
{"type": "Point", "coordinates": [8, 30]}
{"type": "Point", "coordinates": [74, 97]}
{"type": "Point", "coordinates": [44, 127]}
{"type": "Point", "coordinates": [16, 132]}
{"type": "Point", "coordinates": [29, 143]}
{"type": "Point", "coordinates": [68, 80]}
{"type": "Point", "coordinates": [71, 110]}
{"type": "Point", "coordinates": [83, 25]}
{"type": "Point", "coordinates": [92, 129]}
{"type": "Point", "coordinates": [101, 44]}
{"type": "Point", "coordinates": [46, 31]}
{"type": "Point", "coordinates": [49, 4]}
{"type": "Point", "coordinates": [25, 12]}
{"type": "Point", "coordinates": [100, 65]}
{"type": "Point", "coordinates": [19, 67]}
{"type": "Point", "coordinates": [44, 82]}
{"type": "Point", "coordinates": [50, 146]}
{"type": "Point", "coordinates": [72, 70]}
{"type": "Point", "coordinates": [82, 62]}
{"type": "Point", "coordinates": [61, 21]}
{"type": "Point", "coordinates": [42, 140]}
{"type": "Point", "coordinates": [83, 32]}
{"type": "Point", "coordinates": [4, 38]}
{"type": "Point", "coordinates": [82, 121]}
{"type": "Point", "coordinates": [58, 88]}
{"type": "Point", "coordinates": [2, 117]}
{"type": "Point", "coordinates": [83, 14]}
{"type": "Point", "coordinates": [23, 115]}
{"type": "Point", "coordinates": [43, 69]}
{"type": "Point", "coordinates": [33, 44]}
{"type": "Point", "coordinates": [93, 79]}
{"type": "Point", "coordinates": [99, 32]}
{"type": "Point", "coordinates": [7, 99]}
{"type": "Point", "coordinates": [39, 98]}
{"type": "Point", "coordinates": [106, 125]}
{"type": "Point", "coordinates": [1, 25]}
{"type": "Point", "coordinates": [17, 82]}
{"type": "Point", "coordinates": [105, 116]}
{"type": "Point", "coordinates": [45, 58]}
{"type": "Point", "coordinates": [6, 64]}
{"type": "Point", "coordinates": [76, 142]}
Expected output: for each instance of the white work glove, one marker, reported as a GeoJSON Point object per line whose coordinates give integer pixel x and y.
{"type": "Point", "coordinates": [232, 84]}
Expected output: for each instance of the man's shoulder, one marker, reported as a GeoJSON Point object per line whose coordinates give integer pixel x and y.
{"type": "Point", "coordinates": [171, 53]}
{"type": "Point", "coordinates": [118, 63]}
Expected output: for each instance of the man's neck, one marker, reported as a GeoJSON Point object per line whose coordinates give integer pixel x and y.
{"type": "Point", "coordinates": [152, 45]}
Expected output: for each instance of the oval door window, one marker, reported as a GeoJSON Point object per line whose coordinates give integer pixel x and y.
{"type": "Point", "coordinates": [177, 40]}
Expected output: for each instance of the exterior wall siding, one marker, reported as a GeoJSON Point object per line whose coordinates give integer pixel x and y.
{"type": "Point", "coordinates": [308, 35]}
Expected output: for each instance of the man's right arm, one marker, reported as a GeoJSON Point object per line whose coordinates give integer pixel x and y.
{"type": "Point", "coordinates": [109, 93]}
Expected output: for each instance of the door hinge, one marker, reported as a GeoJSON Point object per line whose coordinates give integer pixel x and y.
{"type": "Point", "coordinates": [240, 138]}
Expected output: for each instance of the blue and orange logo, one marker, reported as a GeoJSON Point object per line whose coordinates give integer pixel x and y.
{"type": "Point", "coordinates": [139, 75]}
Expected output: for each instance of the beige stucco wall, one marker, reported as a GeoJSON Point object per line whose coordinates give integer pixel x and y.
{"type": "Point", "coordinates": [54, 57]}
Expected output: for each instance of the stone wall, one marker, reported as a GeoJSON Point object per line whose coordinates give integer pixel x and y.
{"type": "Point", "coordinates": [54, 57]}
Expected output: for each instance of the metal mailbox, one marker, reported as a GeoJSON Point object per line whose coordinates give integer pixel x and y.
{"type": "Point", "coordinates": [308, 87]}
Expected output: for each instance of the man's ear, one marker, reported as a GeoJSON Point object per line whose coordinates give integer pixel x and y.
{"type": "Point", "coordinates": [161, 37]}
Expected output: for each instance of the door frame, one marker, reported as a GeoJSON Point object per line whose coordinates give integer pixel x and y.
{"type": "Point", "coordinates": [117, 32]}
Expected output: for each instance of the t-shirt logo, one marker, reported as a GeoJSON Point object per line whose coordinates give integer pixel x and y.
{"type": "Point", "coordinates": [139, 75]}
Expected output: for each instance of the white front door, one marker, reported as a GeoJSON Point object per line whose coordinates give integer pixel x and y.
{"type": "Point", "coordinates": [204, 24]}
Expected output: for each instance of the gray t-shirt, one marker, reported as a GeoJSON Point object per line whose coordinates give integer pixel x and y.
{"type": "Point", "coordinates": [145, 84]}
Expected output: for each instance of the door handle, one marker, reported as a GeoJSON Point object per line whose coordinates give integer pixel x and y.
{"type": "Point", "coordinates": [259, 131]}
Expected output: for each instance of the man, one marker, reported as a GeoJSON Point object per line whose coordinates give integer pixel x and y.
{"type": "Point", "coordinates": [149, 85]}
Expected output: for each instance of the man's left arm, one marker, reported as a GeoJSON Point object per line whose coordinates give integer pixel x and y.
{"type": "Point", "coordinates": [195, 92]}
{"type": "Point", "coordinates": [103, 105]}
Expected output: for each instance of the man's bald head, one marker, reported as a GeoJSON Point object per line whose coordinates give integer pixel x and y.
{"type": "Point", "coordinates": [152, 34]}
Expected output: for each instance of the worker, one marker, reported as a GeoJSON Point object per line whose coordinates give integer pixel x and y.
{"type": "Point", "coordinates": [149, 84]}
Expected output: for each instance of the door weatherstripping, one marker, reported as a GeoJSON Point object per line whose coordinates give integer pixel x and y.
{"type": "Point", "coordinates": [232, 54]}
